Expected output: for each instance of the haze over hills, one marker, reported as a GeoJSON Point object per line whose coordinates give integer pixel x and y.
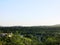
{"type": "Point", "coordinates": [56, 25]}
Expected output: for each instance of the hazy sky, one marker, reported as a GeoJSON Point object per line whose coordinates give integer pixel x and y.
{"type": "Point", "coordinates": [29, 12]}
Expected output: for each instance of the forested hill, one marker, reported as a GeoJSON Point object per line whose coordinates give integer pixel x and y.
{"type": "Point", "coordinates": [29, 29]}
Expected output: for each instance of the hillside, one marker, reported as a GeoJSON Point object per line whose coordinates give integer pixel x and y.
{"type": "Point", "coordinates": [30, 29]}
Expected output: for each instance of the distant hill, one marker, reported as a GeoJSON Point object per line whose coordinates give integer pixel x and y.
{"type": "Point", "coordinates": [31, 29]}
{"type": "Point", "coordinates": [57, 25]}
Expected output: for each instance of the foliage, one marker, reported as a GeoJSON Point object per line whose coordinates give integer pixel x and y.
{"type": "Point", "coordinates": [40, 35]}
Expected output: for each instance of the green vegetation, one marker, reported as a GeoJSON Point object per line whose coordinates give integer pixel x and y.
{"type": "Point", "coordinates": [41, 35]}
{"type": "Point", "coordinates": [17, 39]}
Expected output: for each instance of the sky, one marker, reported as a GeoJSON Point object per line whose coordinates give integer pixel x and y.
{"type": "Point", "coordinates": [29, 12]}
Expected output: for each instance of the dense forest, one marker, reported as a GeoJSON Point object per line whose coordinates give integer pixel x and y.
{"type": "Point", "coordinates": [32, 29]}
{"type": "Point", "coordinates": [34, 35]}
